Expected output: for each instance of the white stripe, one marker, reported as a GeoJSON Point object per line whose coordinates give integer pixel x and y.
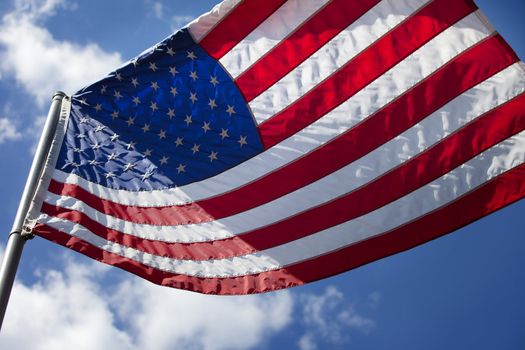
{"type": "Point", "coordinates": [462, 110]}
{"type": "Point", "coordinates": [495, 161]}
{"type": "Point", "coordinates": [270, 33]}
{"type": "Point", "coordinates": [498, 159]}
{"type": "Point", "coordinates": [201, 26]}
{"type": "Point", "coordinates": [181, 234]}
{"type": "Point", "coordinates": [332, 56]}
{"type": "Point", "coordinates": [382, 91]}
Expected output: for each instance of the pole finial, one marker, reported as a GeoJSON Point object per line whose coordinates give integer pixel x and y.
{"type": "Point", "coordinates": [59, 94]}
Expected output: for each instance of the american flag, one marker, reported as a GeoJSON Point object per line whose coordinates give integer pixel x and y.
{"type": "Point", "coordinates": [273, 143]}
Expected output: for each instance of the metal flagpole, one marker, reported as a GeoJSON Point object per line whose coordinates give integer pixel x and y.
{"type": "Point", "coordinates": [16, 240]}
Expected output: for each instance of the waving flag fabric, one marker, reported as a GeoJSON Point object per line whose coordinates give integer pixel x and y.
{"type": "Point", "coordinates": [273, 143]}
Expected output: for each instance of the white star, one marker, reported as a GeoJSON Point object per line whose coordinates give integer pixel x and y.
{"type": "Point", "coordinates": [118, 76]}
{"type": "Point", "coordinates": [153, 66]}
{"type": "Point", "coordinates": [136, 100]}
{"type": "Point", "coordinates": [114, 115]}
{"type": "Point", "coordinates": [80, 136]}
{"type": "Point", "coordinates": [146, 127]}
{"type": "Point", "coordinates": [153, 106]}
{"type": "Point", "coordinates": [129, 166]}
{"type": "Point", "coordinates": [191, 55]}
{"type": "Point", "coordinates": [154, 85]}
{"type": "Point", "coordinates": [195, 148]}
{"type": "Point", "coordinates": [83, 120]}
{"type": "Point", "coordinates": [173, 71]}
{"type": "Point", "coordinates": [135, 82]}
{"type": "Point", "coordinates": [178, 141]}
{"type": "Point", "coordinates": [131, 145]}
{"type": "Point", "coordinates": [94, 162]}
{"type": "Point", "coordinates": [224, 133]}
{"type": "Point", "coordinates": [83, 101]}
{"type": "Point", "coordinates": [109, 175]}
{"type": "Point", "coordinates": [75, 164]}
{"type": "Point", "coordinates": [103, 89]}
{"type": "Point", "coordinates": [164, 160]}
{"type": "Point", "coordinates": [193, 97]}
{"type": "Point", "coordinates": [230, 110]}
{"type": "Point", "coordinates": [173, 91]}
{"type": "Point", "coordinates": [131, 121]}
{"type": "Point", "coordinates": [206, 127]}
{"type": "Point", "coordinates": [77, 150]}
{"type": "Point", "coordinates": [214, 81]}
{"type": "Point", "coordinates": [112, 156]}
{"type": "Point", "coordinates": [98, 107]}
{"type": "Point", "coordinates": [213, 156]}
{"type": "Point", "coordinates": [100, 128]}
{"type": "Point", "coordinates": [162, 134]}
{"type": "Point", "coordinates": [188, 120]}
{"type": "Point", "coordinates": [96, 146]}
{"type": "Point", "coordinates": [114, 137]}
{"type": "Point", "coordinates": [170, 51]}
{"type": "Point", "coordinates": [171, 113]}
{"type": "Point", "coordinates": [146, 175]}
{"type": "Point", "coordinates": [212, 104]}
{"type": "Point", "coordinates": [181, 168]}
{"type": "Point", "coordinates": [242, 140]}
{"type": "Point", "coordinates": [147, 153]}
{"type": "Point", "coordinates": [194, 76]}
{"type": "Point", "coordinates": [117, 95]}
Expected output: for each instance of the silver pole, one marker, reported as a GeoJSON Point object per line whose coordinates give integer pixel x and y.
{"type": "Point", "coordinates": [16, 241]}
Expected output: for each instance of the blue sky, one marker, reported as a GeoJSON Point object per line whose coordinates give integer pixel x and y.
{"type": "Point", "coordinates": [462, 291]}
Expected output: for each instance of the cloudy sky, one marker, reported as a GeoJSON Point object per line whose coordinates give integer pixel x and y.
{"type": "Point", "coordinates": [463, 291]}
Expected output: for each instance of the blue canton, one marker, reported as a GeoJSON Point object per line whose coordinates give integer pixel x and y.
{"type": "Point", "coordinates": [170, 117]}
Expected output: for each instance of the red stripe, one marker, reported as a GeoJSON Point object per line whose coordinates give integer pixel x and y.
{"type": "Point", "coordinates": [481, 134]}
{"type": "Point", "coordinates": [494, 195]}
{"type": "Point", "coordinates": [465, 71]}
{"type": "Point", "coordinates": [184, 251]}
{"type": "Point", "coordinates": [364, 68]}
{"type": "Point", "coordinates": [263, 282]}
{"type": "Point", "coordinates": [169, 215]}
{"type": "Point", "coordinates": [306, 40]}
{"type": "Point", "coordinates": [244, 18]}
{"type": "Point", "coordinates": [473, 139]}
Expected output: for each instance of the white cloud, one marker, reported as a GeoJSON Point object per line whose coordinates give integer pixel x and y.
{"type": "Point", "coordinates": [77, 309]}
{"type": "Point", "coordinates": [161, 317]}
{"type": "Point", "coordinates": [40, 63]}
{"type": "Point", "coordinates": [306, 342]}
{"type": "Point", "coordinates": [329, 318]}
{"type": "Point", "coordinates": [158, 9]}
{"type": "Point", "coordinates": [74, 310]}
{"type": "Point", "coordinates": [8, 131]}
{"type": "Point", "coordinates": [177, 22]}
{"type": "Point", "coordinates": [38, 9]}
{"type": "Point", "coordinates": [61, 311]}
{"type": "Point", "coordinates": [35, 131]}
{"type": "Point", "coordinates": [374, 299]}
{"type": "Point", "coordinates": [155, 9]}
